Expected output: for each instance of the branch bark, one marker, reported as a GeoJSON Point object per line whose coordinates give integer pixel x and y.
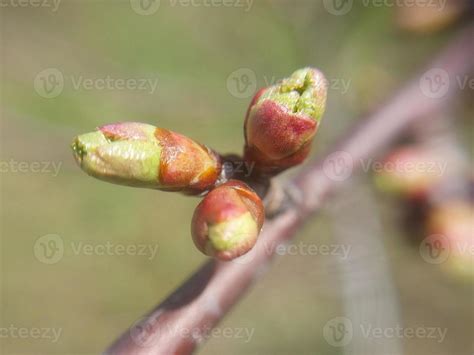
{"type": "Point", "coordinates": [180, 323]}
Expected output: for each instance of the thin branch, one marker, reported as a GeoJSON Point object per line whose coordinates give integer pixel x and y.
{"type": "Point", "coordinates": [185, 318]}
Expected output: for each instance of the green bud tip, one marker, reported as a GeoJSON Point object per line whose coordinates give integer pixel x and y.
{"type": "Point", "coordinates": [304, 92]}
{"type": "Point", "coordinates": [119, 159]}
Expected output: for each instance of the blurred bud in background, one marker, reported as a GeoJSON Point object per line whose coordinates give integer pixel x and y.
{"type": "Point", "coordinates": [454, 222]}
{"type": "Point", "coordinates": [430, 17]}
{"type": "Point", "coordinates": [414, 171]}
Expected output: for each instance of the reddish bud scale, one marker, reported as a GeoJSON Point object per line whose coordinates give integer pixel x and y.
{"type": "Point", "coordinates": [282, 121]}
{"type": "Point", "coordinates": [278, 132]}
{"type": "Point", "coordinates": [274, 166]}
{"type": "Point", "coordinates": [228, 220]}
{"type": "Point", "coordinates": [181, 158]}
{"type": "Point", "coordinates": [123, 131]}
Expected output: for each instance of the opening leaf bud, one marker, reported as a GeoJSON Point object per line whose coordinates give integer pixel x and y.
{"type": "Point", "coordinates": [228, 220]}
{"type": "Point", "coordinates": [283, 119]}
{"type": "Point", "coordinates": [142, 155]}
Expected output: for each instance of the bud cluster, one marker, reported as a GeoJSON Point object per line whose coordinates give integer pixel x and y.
{"type": "Point", "coordinates": [279, 127]}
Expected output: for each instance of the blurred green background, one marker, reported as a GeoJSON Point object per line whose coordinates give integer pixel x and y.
{"type": "Point", "coordinates": [206, 62]}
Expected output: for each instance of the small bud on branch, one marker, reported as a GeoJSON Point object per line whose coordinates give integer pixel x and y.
{"type": "Point", "coordinates": [415, 171]}
{"type": "Point", "coordinates": [453, 222]}
{"type": "Point", "coordinates": [283, 119]}
{"type": "Point", "coordinates": [138, 154]}
{"type": "Point", "coordinates": [228, 220]}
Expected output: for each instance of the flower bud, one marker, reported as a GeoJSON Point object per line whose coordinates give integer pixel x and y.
{"type": "Point", "coordinates": [430, 19]}
{"type": "Point", "coordinates": [142, 155]}
{"type": "Point", "coordinates": [228, 220]}
{"type": "Point", "coordinates": [283, 119]}
{"type": "Point", "coordinates": [454, 222]}
{"type": "Point", "coordinates": [414, 171]}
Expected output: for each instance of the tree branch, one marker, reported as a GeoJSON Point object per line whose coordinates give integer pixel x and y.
{"type": "Point", "coordinates": [183, 320]}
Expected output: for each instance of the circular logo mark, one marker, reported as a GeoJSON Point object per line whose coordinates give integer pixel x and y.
{"type": "Point", "coordinates": [145, 7]}
{"type": "Point", "coordinates": [338, 331]}
{"type": "Point", "coordinates": [142, 332]}
{"type": "Point", "coordinates": [242, 83]}
{"type": "Point", "coordinates": [435, 83]}
{"type": "Point", "coordinates": [49, 83]}
{"type": "Point", "coordinates": [338, 166]}
{"type": "Point", "coordinates": [49, 249]}
{"type": "Point", "coordinates": [435, 249]}
{"type": "Point", "coordinates": [338, 7]}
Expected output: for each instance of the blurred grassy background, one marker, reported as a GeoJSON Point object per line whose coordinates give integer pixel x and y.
{"type": "Point", "coordinates": [192, 52]}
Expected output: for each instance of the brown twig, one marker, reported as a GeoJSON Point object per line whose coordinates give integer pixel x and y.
{"type": "Point", "coordinates": [182, 321]}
